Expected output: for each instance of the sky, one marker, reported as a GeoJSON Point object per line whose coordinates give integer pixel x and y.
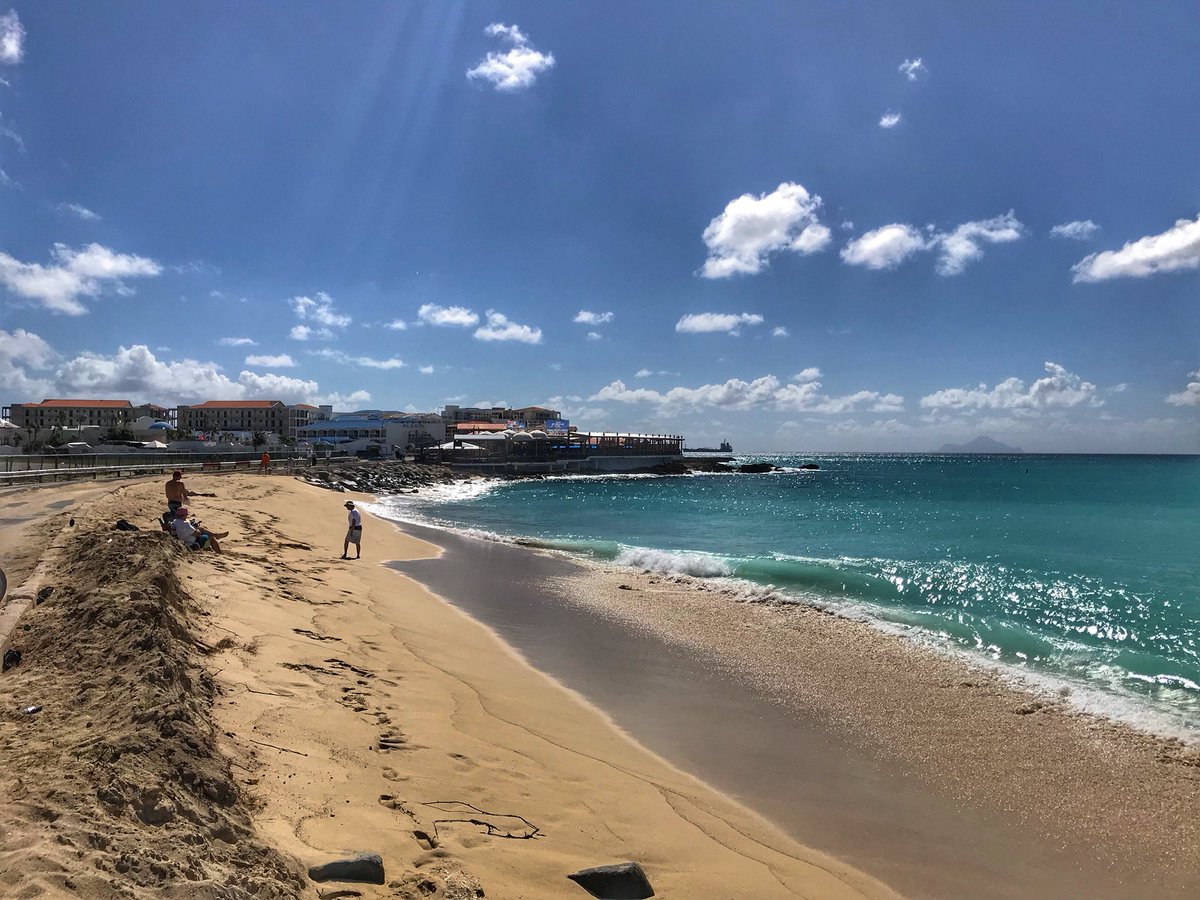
{"type": "Point", "coordinates": [794, 225]}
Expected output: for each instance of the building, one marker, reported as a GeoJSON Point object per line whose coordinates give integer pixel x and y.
{"type": "Point", "coordinates": [236, 415]}
{"type": "Point", "coordinates": [110, 414]}
{"type": "Point", "coordinates": [389, 433]}
{"type": "Point", "coordinates": [302, 414]}
{"type": "Point", "coordinates": [525, 417]}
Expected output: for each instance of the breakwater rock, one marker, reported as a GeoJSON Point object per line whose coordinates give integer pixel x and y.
{"type": "Point", "coordinates": [383, 477]}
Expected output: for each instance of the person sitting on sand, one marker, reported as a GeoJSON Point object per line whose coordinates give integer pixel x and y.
{"type": "Point", "coordinates": [353, 531]}
{"type": "Point", "coordinates": [193, 536]}
{"type": "Point", "coordinates": [177, 494]}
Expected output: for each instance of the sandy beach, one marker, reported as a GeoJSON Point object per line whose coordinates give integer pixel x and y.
{"type": "Point", "coordinates": [212, 725]}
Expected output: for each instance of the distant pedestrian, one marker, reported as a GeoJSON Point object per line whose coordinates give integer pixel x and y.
{"type": "Point", "coordinates": [264, 462]}
{"type": "Point", "coordinates": [353, 531]}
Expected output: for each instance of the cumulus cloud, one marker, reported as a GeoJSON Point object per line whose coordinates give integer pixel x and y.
{"type": "Point", "coordinates": [964, 244]}
{"type": "Point", "coordinates": [365, 361]}
{"type": "Point", "coordinates": [884, 248]}
{"type": "Point", "coordinates": [432, 314]}
{"type": "Point", "coordinates": [396, 325]}
{"type": "Point", "coordinates": [708, 323]}
{"type": "Point", "coordinates": [516, 68]}
{"type": "Point", "coordinates": [73, 274]}
{"type": "Point", "coordinates": [584, 317]}
{"type": "Point", "coordinates": [79, 212]}
{"type": "Point", "coordinates": [889, 246]}
{"type": "Point", "coordinates": [1058, 389]}
{"type": "Point", "coordinates": [780, 331]}
{"type": "Point", "coordinates": [426, 370]}
{"type": "Point", "coordinates": [1075, 231]}
{"type": "Point", "coordinates": [499, 328]}
{"type": "Point", "coordinates": [1175, 250]}
{"type": "Point", "coordinates": [319, 309]}
{"type": "Point", "coordinates": [237, 342]}
{"type": "Point", "coordinates": [812, 373]}
{"type": "Point", "coordinates": [308, 333]}
{"type": "Point", "coordinates": [890, 119]}
{"type": "Point", "coordinates": [594, 336]}
{"type": "Point", "coordinates": [1189, 396]}
{"type": "Point", "coordinates": [281, 361]}
{"type": "Point", "coordinates": [12, 39]}
{"type": "Point", "coordinates": [912, 69]}
{"type": "Point", "coordinates": [752, 228]}
{"type": "Point", "coordinates": [767, 391]}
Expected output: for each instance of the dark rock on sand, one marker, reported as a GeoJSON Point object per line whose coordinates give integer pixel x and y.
{"type": "Point", "coordinates": [380, 477]}
{"type": "Point", "coordinates": [367, 869]}
{"type": "Point", "coordinates": [623, 881]}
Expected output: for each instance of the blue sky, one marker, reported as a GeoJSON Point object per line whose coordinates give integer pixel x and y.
{"type": "Point", "coordinates": [795, 225]}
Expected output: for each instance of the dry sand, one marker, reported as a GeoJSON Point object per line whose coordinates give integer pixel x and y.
{"type": "Point", "coordinates": [213, 724]}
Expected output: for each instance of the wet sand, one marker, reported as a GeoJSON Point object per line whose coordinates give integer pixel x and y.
{"type": "Point", "coordinates": [927, 773]}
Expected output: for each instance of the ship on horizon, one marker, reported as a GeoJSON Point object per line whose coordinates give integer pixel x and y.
{"type": "Point", "coordinates": [725, 447]}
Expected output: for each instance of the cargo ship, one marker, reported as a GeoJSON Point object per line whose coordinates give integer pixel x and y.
{"type": "Point", "coordinates": [725, 447]}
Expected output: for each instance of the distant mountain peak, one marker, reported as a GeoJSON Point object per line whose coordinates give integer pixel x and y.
{"type": "Point", "coordinates": [981, 444]}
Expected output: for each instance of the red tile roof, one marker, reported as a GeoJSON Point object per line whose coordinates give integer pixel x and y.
{"type": "Point", "coordinates": [237, 404]}
{"type": "Point", "coordinates": [479, 426]}
{"type": "Point", "coordinates": [96, 404]}
{"type": "Point", "coordinates": [304, 406]}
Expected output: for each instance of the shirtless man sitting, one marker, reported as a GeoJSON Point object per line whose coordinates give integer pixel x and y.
{"type": "Point", "coordinates": [177, 494]}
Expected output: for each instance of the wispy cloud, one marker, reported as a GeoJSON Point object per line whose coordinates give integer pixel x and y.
{"type": "Point", "coordinates": [890, 119]}
{"type": "Point", "coordinates": [767, 391]}
{"type": "Point", "coordinates": [1075, 231]}
{"type": "Point", "coordinates": [912, 69]}
{"type": "Point", "coordinates": [780, 331]}
{"type": "Point", "coordinates": [237, 342]}
{"type": "Point", "coordinates": [79, 212]}
{"type": "Point", "coordinates": [891, 245]}
{"type": "Point", "coordinates": [1175, 250]}
{"type": "Point", "coordinates": [367, 362]}
{"type": "Point", "coordinates": [516, 68]}
{"type": "Point", "coordinates": [884, 248]}
{"type": "Point", "coordinates": [752, 228]}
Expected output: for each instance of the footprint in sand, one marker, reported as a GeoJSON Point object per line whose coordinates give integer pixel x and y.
{"type": "Point", "coordinates": [391, 740]}
{"type": "Point", "coordinates": [314, 636]}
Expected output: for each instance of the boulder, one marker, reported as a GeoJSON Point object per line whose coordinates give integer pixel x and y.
{"type": "Point", "coordinates": [810, 466]}
{"type": "Point", "coordinates": [756, 468]}
{"type": "Point", "coordinates": [367, 869]}
{"type": "Point", "coordinates": [623, 881]}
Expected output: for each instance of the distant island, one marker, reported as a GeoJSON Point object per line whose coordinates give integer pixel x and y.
{"type": "Point", "coordinates": [981, 444]}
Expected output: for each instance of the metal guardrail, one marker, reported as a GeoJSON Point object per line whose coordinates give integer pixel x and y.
{"type": "Point", "coordinates": [159, 466]}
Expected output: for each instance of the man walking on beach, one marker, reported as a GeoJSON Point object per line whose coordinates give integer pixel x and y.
{"type": "Point", "coordinates": [353, 531]}
{"type": "Point", "coordinates": [264, 463]}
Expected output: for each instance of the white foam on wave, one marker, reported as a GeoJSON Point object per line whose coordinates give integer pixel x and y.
{"type": "Point", "coordinates": [701, 565]}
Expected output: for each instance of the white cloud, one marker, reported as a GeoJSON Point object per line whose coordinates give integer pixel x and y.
{"type": "Point", "coordinates": [1189, 396]}
{"type": "Point", "coordinates": [499, 328]}
{"type": "Point", "coordinates": [237, 342]}
{"type": "Point", "coordinates": [365, 361]}
{"type": "Point", "coordinates": [74, 274]}
{"type": "Point", "coordinates": [79, 212]}
{"type": "Point", "coordinates": [780, 331]}
{"type": "Point", "coordinates": [307, 333]}
{"type": "Point", "coordinates": [516, 68]}
{"type": "Point", "coordinates": [1175, 250]}
{"type": "Point", "coordinates": [585, 317]}
{"type": "Point", "coordinates": [708, 323]}
{"type": "Point", "coordinates": [812, 373]}
{"type": "Point", "coordinates": [962, 245]}
{"type": "Point", "coordinates": [594, 336]}
{"type": "Point", "coordinates": [642, 373]}
{"type": "Point", "coordinates": [889, 246]}
{"type": "Point", "coordinates": [397, 325]}
{"type": "Point", "coordinates": [426, 370]}
{"type": "Point", "coordinates": [738, 394]}
{"type": "Point", "coordinates": [1059, 388]}
{"type": "Point", "coordinates": [320, 310]}
{"type": "Point", "coordinates": [12, 39]}
{"type": "Point", "coordinates": [912, 69]}
{"type": "Point", "coordinates": [282, 361]}
{"type": "Point", "coordinates": [1076, 231]}
{"type": "Point", "coordinates": [23, 346]}
{"type": "Point", "coordinates": [432, 314]}
{"type": "Point", "coordinates": [751, 228]}
{"type": "Point", "coordinates": [336, 400]}
{"type": "Point", "coordinates": [847, 225]}
{"type": "Point", "coordinates": [890, 119]}
{"type": "Point", "coordinates": [884, 248]}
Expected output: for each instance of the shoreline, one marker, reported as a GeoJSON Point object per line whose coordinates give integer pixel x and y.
{"type": "Point", "coordinates": [989, 770]}
{"type": "Point", "coordinates": [356, 712]}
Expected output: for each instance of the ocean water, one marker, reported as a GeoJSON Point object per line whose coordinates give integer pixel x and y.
{"type": "Point", "coordinates": [1079, 573]}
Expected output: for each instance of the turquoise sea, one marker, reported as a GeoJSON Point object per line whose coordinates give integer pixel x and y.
{"type": "Point", "coordinates": [1081, 573]}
